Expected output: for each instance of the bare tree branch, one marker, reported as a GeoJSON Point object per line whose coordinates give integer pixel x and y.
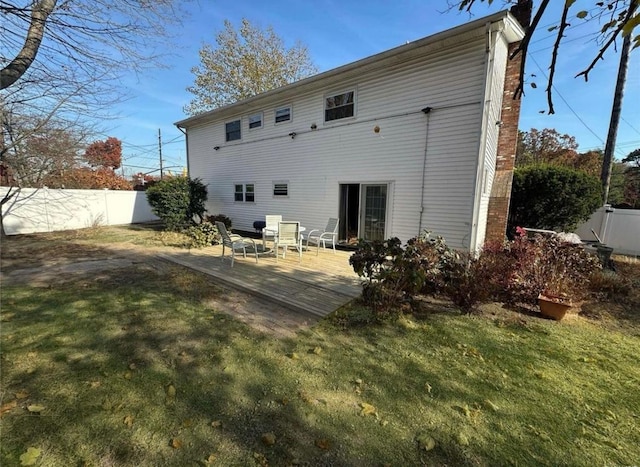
{"type": "Point", "coordinates": [23, 60]}
{"type": "Point", "coordinates": [523, 47]}
{"type": "Point", "coordinates": [554, 56]}
{"type": "Point", "coordinates": [630, 11]}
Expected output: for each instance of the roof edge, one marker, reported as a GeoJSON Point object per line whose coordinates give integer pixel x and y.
{"type": "Point", "coordinates": [514, 33]}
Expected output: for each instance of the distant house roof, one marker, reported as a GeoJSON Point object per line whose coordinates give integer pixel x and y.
{"type": "Point", "coordinates": [502, 21]}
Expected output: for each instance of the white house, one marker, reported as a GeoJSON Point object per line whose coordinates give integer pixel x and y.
{"type": "Point", "coordinates": [393, 144]}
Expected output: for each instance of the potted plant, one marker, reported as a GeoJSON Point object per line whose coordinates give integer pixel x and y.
{"type": "Point", "coordinates": [566, 268]}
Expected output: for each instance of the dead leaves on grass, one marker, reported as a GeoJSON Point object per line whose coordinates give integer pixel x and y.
{"type": "Point", "coordinates": [368, 409]}
{"type": "Point", "coordinates": [171, 392]}
{"type": "Point", "coordinates": [5, 408]}
{"type": "Point", "coordinates": [30, 457]}
{"type": "Point", "coordinates": [35, 408]}
{"type": "Point", "coordinates": [426, 441]}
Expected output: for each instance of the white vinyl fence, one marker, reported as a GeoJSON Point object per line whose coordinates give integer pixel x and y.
{"type": "Point", "coordinates": [45, 210]}
{"type": "Point", "coordinates": [617, 228]}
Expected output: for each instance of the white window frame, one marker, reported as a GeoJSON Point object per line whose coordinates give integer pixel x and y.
{"type": "Point", "coordinates": [244, 192]}
{"type": "Point", "coordinates": [226, 132]}
{"type": "Point", "coordinates": [258, 115]}
{"type": "Point", "coordinates": [283, 107]}
{"type": "Point", "coordinates": [286, 185]}
{"type": "Point", "coordinates": [339, 93]}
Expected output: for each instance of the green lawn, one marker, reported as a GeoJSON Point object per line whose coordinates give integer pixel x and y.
{"type": "Point", "coordinates": [135, 367]}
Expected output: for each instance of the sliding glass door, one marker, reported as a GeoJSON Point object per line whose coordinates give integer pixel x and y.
{"type": "Point", "coordinates": [373, 212]}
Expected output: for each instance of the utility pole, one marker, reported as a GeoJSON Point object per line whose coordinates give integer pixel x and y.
{"type": "Point", "coordinates": [160, 151]}
{"type": "Point", "coordinates": [607, 161]}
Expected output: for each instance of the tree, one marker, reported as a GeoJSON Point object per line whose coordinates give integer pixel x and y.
{"type": "Point", "coordinates": [552, 197]}
{"type": "Point", "coordinates": [546, 146]}
{"type": "Point", "coordinates": [550, 147]}
{"type": "Point", "coordinates": [244, 65]}
{"type": "Point", "coordinates": [618, 17]}
{"type": "Point", "coordinates": [177, 201]}
{"type": "Point", "coordinates": [107, 153]}
{"type": "Point", "coordinates": [85, 178]}
{"type": "Point", "coordinates": [81, 40]}
{"type": "Point", "coordinates": [37, 149]}
{"type": "Point", "coordinates": [61, 60]}
{"type": "Point", "coordinates": [632, 179]}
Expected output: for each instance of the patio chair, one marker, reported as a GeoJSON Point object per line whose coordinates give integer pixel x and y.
{"type": "Point", "coordinates": [236, 242]}
{"type": "Point", "coordinates": [329, 234]}
{"type": "Point", "coordinates": [288, 235]}
{"type": "Point", "coordinates": [271, 228]}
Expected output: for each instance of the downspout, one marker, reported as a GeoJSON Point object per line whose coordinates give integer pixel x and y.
{"type": "Point", "coordinates": [186, 142]}
{"type": "Point", "coordinates": [427, 112]}
{"type": "Point", "coordinates": [482, 148]}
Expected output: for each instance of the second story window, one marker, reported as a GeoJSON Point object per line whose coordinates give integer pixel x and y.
{"type": "Point", "coordinates": [339, 106]}
{"type": "Point", "coordinates": [255, 121]}
{"type": "Point", "coordinates": [283, 114]}
{"type": "Point", "coordinates": [232, 130]}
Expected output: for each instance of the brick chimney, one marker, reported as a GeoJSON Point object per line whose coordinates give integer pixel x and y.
{"type": "Point", "coordinates": [508, 135]}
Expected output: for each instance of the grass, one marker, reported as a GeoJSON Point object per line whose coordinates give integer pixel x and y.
{"type": "Point", "coordinates": [136, 367]}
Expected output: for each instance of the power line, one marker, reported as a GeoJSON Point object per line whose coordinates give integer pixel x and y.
{"type": "Point", "coordinates": [630, 125]}
{"type": "Point", "coordinates": [566, 103]}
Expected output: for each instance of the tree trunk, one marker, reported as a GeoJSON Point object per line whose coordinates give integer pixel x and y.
{"type": "Point", "coordinates": [23, 60]}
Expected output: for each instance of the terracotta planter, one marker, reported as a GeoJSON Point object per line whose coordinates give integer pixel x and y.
{"type": "Point", "coordinates": [553, 307]}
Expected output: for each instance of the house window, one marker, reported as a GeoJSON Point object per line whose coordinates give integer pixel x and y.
{"type": "Point", "coordinates": [249, 193]}
{"type": "Point", "coordinates": [255, 121]}
{"type": "Point", "coordinates": [232, 130]}
{"type": "Point", "coordinates": [244, 192]}
{"type": "Point", "coordinates": [283, 114]}
{"type": "Point", "coordinates": [281, 189]}
{"type": "Point", "coordinates": [339, 106]}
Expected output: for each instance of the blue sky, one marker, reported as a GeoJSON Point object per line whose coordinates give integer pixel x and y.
{"type": "Point", "coordinates": [340, 32]}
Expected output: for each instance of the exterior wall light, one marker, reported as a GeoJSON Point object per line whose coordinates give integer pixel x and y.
{"type": "Point", "coordinates": [216, 147]}
{"type": "Point", "coordinates": [292, 134]}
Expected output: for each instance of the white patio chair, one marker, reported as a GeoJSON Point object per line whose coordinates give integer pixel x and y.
{"type": "Point", "coordinates": [288, 235]}
{"type": "Point", "coordinates": [329, 234]}
{"type": "Point", "coordinates": [270, 229]}
{"type": "Point", "coordinates": [236, 242]}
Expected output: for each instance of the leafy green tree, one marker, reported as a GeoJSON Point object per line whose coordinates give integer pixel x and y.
{"type": "Point", "coordinates": [632, 179]}
{"type": "Point", "coordinates": [245, 64]}
{"type": "Point", "coordinates": [178, 201]}
{"type": "Point", "coordinates": [552, 197]}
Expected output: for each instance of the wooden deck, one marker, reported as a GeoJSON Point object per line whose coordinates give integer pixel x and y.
{"type": "Point", "coordinates": [317, 285]}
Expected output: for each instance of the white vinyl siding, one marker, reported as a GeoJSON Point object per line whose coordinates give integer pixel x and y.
{"type": "Point", "coordinates": [449, 80]}
{"type": "Point", "coordinates": [493, 103]}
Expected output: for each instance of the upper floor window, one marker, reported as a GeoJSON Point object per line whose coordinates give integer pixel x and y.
{"type": "Point", "coordinates": [283, 114]}
{"type": "Point", "coordinates": [339, 106]}
{"type": "Point", "coordinates": [255, 121]}
{"type": "Point", "coordinates": [232, 130]}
